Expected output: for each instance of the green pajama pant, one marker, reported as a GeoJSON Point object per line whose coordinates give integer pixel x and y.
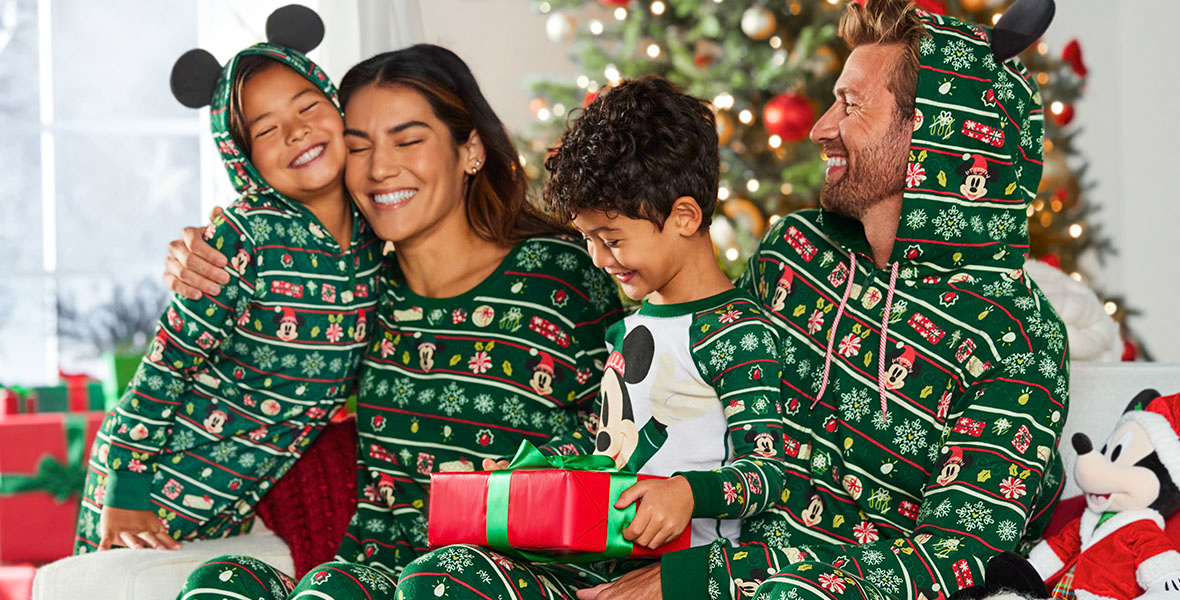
{"type": "Point", "coordinates": [245, 578]}
{"type": "Point", "coordinates": [461, 571]}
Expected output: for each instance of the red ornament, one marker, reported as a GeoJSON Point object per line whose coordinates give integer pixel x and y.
{"type": "Point", "coordinates": [1130, 353]}
{"type": "Point", "coordinates": [937, 7]}
{"type": "Point", "coordinates": [622, 3]}
{"type": "Point", "coordinates": [590, 96]}
{"type": "Point", "coordinates": [1064, 117]}
{"type": "Point", "coordinates": [789, 116]}
{"type": "Point", "coordinates": [1052, 260]}
{"type": "Point", "coordinates": [1072, 54]}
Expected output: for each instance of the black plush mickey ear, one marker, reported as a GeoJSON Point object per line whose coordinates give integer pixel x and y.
{"type": "Point", "coordinates": [296, 27]}
{"type": "Point", "coordinates": [194, 76]}
{"type": "Point", "coordinates": [1021, 26]}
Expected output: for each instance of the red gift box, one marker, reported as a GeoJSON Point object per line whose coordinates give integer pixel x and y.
{"type": "Point", "coordinates": [46, 452]}
{"type": "Point", "coordinates": [16, 582]}
{"type": "Point", "coordinates": [554, 511]}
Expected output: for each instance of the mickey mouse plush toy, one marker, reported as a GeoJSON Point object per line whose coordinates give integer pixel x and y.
{"type": "Point", "coordinates": [1117, 549]}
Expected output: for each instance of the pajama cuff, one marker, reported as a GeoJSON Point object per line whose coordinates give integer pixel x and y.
{"type": "Point", "coordinates": [129, 490]}
{"type": "Point", "coordinates": [683, 574]}
{"type": "Point", "coordinates": [707, 502]}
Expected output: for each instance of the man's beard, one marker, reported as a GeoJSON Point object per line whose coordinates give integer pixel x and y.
{"type": "Point", "coordinates": [875, 173]}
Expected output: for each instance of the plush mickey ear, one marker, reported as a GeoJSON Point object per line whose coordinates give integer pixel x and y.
{"type": "Point", "coordinates": [1022, 25]}
{"type": "Point", "coordinates": [296, 27]}
{"type": "Point", "coordinates": [1142, 399]}
{"type": "Point", "coordinates": [194, 76]}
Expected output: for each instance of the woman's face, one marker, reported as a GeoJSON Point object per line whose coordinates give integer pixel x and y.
{"type": "Point", "coordinates": [295, 132]}
{"type": "Point", "coordinates": [403, 169]}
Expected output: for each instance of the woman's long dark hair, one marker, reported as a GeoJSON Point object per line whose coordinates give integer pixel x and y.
{"type": "Point", "coordinates": [496, 198]}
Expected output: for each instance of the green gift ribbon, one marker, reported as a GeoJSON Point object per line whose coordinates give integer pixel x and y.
{"type": "Point", "coordinates": [529, 457]}
{"type": "Point", "coordinates": [60, 479]}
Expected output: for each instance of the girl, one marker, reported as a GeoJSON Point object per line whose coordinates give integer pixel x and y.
{"type": "Point", "coordinates": [490, 327]}
{"type": "Point", "coordinates": [234, 388]}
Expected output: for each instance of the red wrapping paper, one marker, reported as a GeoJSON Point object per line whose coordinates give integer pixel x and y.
{"type": "Point", "coordinates": [552, 511]}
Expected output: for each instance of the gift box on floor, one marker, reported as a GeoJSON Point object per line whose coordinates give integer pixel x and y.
{"type": "Point", "coordinates": [122, 367]}
{"type": "Point", "coordinates": [16, 582]}
{"type": "Point", "coordinates": [42, 469]}
{"type": "Point", "coordinates": [71, 397]}
{"type": "Point", "coordinates": [544, 508]}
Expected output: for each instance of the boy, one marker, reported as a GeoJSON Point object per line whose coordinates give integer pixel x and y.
{"type": "Point", "coordinates": [690, 389]}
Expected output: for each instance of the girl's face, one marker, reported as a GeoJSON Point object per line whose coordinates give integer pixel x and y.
{"type": "Point", "coordinates": [296, 133]}
{"type": "Point", "coordinates": [403, 169]}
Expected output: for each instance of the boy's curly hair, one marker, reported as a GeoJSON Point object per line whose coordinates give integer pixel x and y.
{"type": "Point", "coordinates": [633, 151]}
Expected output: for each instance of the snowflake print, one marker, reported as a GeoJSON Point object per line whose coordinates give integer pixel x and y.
{"type": "Point", "coordinates": [312, 364]}
{"type": "Point", "coordinates": [854, 405]}
{"type": "Point", "coordinates": [749, 342]}
{"type": "Point", "coordinates": [455, 559]}
{"type": "Point", "coordinates": [224, 451]}
{"type": "Point", "coordinates": [886, 579]}
{"type": "Point", "coordinates": [514, 412]}
{"type": "Point", "coordinates": [915, 174]}
{"type": "Point", "coordinates": [1026, 138]}
{"type": "Point", "coordinates": [804, 368]}
{"type": "Point", "coordinates": [1012, 488]}
{"type": "Point", "coordinates": [260, 230]}
{"type": "Point", "coordinates": [722, 354]}
{"type": "Point", "coordinates": [155, 382]}
{"type": "Point", "coordinates": [815, 321]}
{"type": "Point", "coordinates": [426, 396]}
{"type": "Point", "coordinates": [484, 577]}
{"type": "Point", "coordinates": [872, 557]}
{"type": "Point", "coordinates": [1047, 367]}
{"type": "Point", "coordinates": [598, 288]}
{"type": "Point", "coordinates": [927, 46]}
{"type": "Point", "coordinates": [832, 582]}
{"type": "Point", "coordinates": [1019, 362]}
{"type": "Point", "coordinates": [958, 55]}
{"type": "Point", "coordinates": [1007, 531]}
{"type": "Point", "coordinates": [943, 509]}
{"type": "Point", "coordinates": [916, 219]}
{"type": "Point", "coordinates": [483, 403]}
{"type": "Point", "coordinates": [730, 492]}
{"type": "Point", "coordinates": [264, 357]}
{"type": "Point", "coordinates": [714, 589]}
{"type": "Point", "coordinates": [865, 533]}
{"type": "Point", "coordinates": [999, 289]}
{"type": "Point", "coordinates": [1001, 225]}
{"type": "Point", "coordinates": [771, 347]}
{"type": "Point", "coordinates": [247, 460]}
{"type": "Point", "coordinates": [382, 388]}
{"type": "Point", "coordinates": [850, 345]}
{"type": "Point", "coordinates": [403, 390]}
{"type": "Point", "coordinates": [183, 440]}
{"type": "Point", "coordinates": [976, 224]}
{"type": "Point", "coordinates": [819, 462]}
{"type": "Point", "coordinates": [974, 516]}
{"type": "Point", "coordinates": [375, 525]}
{"type": "Point", "coordinates": [567, 261]}
{"type": "Point", "coordinates": [452, 399]}
{"type": "Point", "coordinates": [373, 579]}
{"type": "Point", "coordinates": [1023, 303]}
{"type": "Point", "coordinates": [730, 315]}
{"type": "Point", "coordinates": [949, 223]}
{"type": "Point", "coordinates": [480, 362]}
{"type": "Point", "coordinates": [1003, 86]}
{"type": "Point", "coordinates": [910, 437]}
{"type": "Point", "coordinates": [1053, 338]}
{"type": "Point", "coordinates": [882, 420]}
{"type": "Point", "coordinates": [538, 420]}
{"type": "Point", "coordinates": [532, 256]}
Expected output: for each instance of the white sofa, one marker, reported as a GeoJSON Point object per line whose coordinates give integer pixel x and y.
{"type": "Point", "coordinates": [1099, 393]}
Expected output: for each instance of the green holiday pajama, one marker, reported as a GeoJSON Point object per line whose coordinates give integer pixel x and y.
{"type": "Point", "coordinates": [241, 577]}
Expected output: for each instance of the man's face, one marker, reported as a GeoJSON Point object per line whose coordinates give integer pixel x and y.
{"type": "Point", "coordinates": [864, 138]}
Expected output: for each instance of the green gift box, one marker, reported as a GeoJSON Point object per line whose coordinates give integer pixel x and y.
{"type": "Point", "coordinates": [122, 367]}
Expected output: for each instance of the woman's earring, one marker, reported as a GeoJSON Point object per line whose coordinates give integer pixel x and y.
{"type": "Point", "coordinates": [475, 169]}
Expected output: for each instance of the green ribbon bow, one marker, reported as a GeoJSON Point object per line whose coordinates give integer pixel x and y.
{"type": "Point", "coordinates": [529, 457]}
{"type": "Point", "coordinates": [60, 479]}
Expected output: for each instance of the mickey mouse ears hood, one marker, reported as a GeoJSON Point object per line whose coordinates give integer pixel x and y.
{"type": "Point", "coordinates": [975, 155]}
{"type": "Point", "coordinates": [199, 80]}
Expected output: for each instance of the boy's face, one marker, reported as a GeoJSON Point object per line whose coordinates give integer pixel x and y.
{"type": "Point", "coordinates": [296, 133]}
{"type": "Point", "coordinates": [640, 256]}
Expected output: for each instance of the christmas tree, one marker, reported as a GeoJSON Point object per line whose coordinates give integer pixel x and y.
{"type": "Point", "coordinates": [768, 69]}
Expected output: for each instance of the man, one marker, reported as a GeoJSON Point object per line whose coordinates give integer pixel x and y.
{"type": "Point", "coordinates": [913, 460]}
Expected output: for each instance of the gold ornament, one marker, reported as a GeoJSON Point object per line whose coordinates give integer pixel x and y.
{"type": "Point", "coordinates": [974, 5]}
{"type": "Point", "coordinates": [758, 23]}
{"type": "Point", "coordinates": [724, 128]}
{"type": "Point", "coordinates": [745, 215]}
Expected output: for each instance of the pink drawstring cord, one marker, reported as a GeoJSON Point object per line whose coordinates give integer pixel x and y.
{"type": "Point", "coordinates": [832, 332]}
{"type": "Point", "coordinates": [884, 335]}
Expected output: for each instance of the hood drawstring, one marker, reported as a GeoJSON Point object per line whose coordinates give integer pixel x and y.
{"type": "Point", "coordinates": [884, 335]}
{"type": "Point", "coordinates": [835, 324]}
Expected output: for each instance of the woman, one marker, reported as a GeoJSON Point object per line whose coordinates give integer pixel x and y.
{"type": "Point", "coordinates": [490, 322]}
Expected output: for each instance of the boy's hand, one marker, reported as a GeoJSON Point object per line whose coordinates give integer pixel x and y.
{"type": "Point", "coordinates": [133, 529]}
{"type": "Point", "coordinates": [494, 465]}
{"type": "Point", "coordinates": [193, 267]}
{"type": "Point", "coordinates": [664, 511]}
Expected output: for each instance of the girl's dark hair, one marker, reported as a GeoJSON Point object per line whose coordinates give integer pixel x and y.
{"type": "Point", "coordinates": [247, 67]}
{"type": "Point", "coordinates": [496, 197]}
{"type": "Point", "coordinates": [633, 151]}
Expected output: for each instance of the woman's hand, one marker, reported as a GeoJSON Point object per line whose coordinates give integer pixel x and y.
{"type": "Point", "coordinates": [193, 267]}
{"type": "Point", "coordinates": [662, 515]}
{"type": "Point", "coordinates": [133, 529]}
{"type": "Point", "coordinates": [494, 465]}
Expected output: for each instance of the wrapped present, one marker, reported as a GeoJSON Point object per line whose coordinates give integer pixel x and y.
{"type": "Point", "coordinates": [15, 400]}
{"type": "Point", "coordinates": [542, 508]}
{"type": "Point", "coordinates": [122, 367]}
{"type": "Point", "coordinates": [42, 470]}
{"type": "Point", "coordinates": [16, 582]}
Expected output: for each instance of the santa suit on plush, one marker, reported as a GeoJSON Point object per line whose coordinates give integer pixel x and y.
{"type": "Point", "coordinates": [1128, 554]}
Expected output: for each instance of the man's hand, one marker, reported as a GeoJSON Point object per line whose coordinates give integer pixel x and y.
{"type": "Point", "coordinates": [664, 511]}
{"type": "Point", "coordinates": [494, 465]}
{"type": "Point", "coordinates": [193, 267]}
{"type": "Point", "coordinates": [133, 529]}
{"type": "Point", "coordinates": [640, 584]}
